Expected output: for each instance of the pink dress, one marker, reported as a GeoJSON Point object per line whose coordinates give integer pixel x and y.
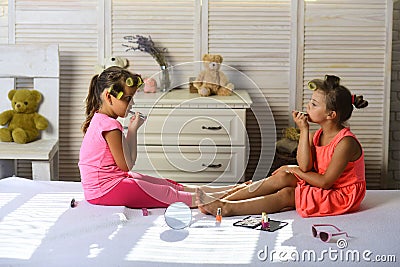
{"type": "Point", "coordinates": [346, 193]}
{"type": "Point", "coordinates": [104, 183]}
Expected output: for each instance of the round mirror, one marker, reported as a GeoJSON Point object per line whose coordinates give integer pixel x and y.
{"type": "Point", "coordinates": [178, 215]}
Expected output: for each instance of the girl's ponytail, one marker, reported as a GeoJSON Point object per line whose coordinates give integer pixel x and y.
{"type": "Point", "coordinates": [92, 103]}
{"type": "Point", "coordinates": [359, 102]}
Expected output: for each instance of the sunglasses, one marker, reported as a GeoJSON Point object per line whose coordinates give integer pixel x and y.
{"type": "Point", "coordinates": [117, 91]}
{"type": "Point", "coordinates": [325, 236]}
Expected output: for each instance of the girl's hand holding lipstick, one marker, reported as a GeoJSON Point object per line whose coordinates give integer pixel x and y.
{"type": "Point", "coordinates": [141, 115]}
{"type": "Point", "coordinates": [136, 120]}
{"type": "Point", "coordinates": [301, 119]}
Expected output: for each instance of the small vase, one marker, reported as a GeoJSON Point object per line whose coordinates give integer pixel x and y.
{"type": "Point", "coordinates": [165, 81]}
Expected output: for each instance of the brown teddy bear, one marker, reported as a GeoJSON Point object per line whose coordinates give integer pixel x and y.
{"type": "Point", "coordinates": [23, 121]}
{"type": "Point", "coordinates": [212, 81]}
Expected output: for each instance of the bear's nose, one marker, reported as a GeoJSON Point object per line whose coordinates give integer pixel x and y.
{"type": "Point", "coordinates": [18, 105]}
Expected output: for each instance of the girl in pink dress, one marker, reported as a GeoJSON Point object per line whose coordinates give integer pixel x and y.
{"type": "Point", "coordinates": [330, 177]}
{"type": "Point", "coordinates": [107, 155]}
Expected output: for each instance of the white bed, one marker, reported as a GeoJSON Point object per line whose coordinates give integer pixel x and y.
{"type": "Point", "coordinates": [39, 228]}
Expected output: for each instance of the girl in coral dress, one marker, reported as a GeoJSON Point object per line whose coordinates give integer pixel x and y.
{"type": "Point", "coordinates": [330, 177]}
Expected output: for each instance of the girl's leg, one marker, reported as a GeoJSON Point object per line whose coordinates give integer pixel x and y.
{"type": "Point", "coordinates": [135, 193]}
{"type": "Point", "coordinates": [265, 186]}
{"type": "Point", "coordinates": [216, 189]}
{"type": "Point", "coordinates": [222, 190]}
{"type": "Point", "coordinates": [155, 180]}
{"type": "Point", "coordinates": [167, 194]}
{"type": "Point", "coordinates": [183, 187]}
{"type": "Point", "coordinates": [281, 200]}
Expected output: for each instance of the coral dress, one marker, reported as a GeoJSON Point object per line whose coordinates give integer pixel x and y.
{"type": "Point", "coordinates": [346, 193]}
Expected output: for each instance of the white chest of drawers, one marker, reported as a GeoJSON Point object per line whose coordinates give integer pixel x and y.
{"type": "Point", "coordinates": [193, 139]}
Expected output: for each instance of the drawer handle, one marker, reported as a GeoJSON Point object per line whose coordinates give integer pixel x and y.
{"type": "Point", "coordinates": [216, 166]}
{"type": "Point", "coordinates": [215, 128]}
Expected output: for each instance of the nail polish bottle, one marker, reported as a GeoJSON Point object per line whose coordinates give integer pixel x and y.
{"type": "Point", "coordinates": [218, 218]}
{"type": "Point", "coordinates": [264, 221]}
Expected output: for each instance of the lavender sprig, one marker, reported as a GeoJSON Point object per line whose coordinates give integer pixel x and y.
{"type": "Point", "coordinates": [146, 45]}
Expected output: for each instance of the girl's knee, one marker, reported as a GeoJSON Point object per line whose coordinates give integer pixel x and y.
{"type": "Point", "coordinates": [287, 194]}
{"type": "Point", "coordinates": [285, 179]}
{"type": "Point", "coordinates": [288, 190]}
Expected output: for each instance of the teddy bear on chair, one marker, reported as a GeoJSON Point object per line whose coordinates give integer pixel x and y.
{"type": "Point", "coordinates": [212, 81]}
{"type": "Point", "coordinates": [23, 121]}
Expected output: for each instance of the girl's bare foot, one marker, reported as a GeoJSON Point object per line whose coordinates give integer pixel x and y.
{"type": "Point", "coordinates": [202, 210]}
{"type": "Point", "coordinates": [208, 204]}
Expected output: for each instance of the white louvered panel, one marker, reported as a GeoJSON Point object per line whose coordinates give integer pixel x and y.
{"type": "Point", "coordinates": [3, 21]}
{"type": "Point", "coordinates": [171, 24]}
{"type": "Point", "coordinates": [254, 38]}
{"type": "Point", "coordinates": [348, 38]}
{"type": "Point", "coordinates": [24, 168]}
{"type": "Point", "coordinates": [61, 22]}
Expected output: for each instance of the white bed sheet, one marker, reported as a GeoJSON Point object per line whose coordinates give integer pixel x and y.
{"type": "Point", "coordinates": [38, 228]}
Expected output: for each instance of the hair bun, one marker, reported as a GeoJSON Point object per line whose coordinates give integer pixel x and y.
{"type": "Point", "coordinates": [359, 101]}
{"type": "Point", "coordinates": [332, 81]}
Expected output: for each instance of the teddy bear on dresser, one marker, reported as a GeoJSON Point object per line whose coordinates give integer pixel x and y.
{"type": "Point", "coordinates": [112, 61]}
{"type": "Point", "coordinates": [212, 81]}
{"type": "Point", "coordinates": [23, 121]}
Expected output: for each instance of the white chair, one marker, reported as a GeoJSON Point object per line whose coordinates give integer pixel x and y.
{"type": "Point", "coordinates": [41, 64]}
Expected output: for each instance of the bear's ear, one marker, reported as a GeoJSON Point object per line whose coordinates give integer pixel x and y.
{"type": "Point", "coordinates": [37, 95]}
{"type": "Point", "coordinates": [11, 94]}
{"type": "Point", "coordinates": [206, 57]}
{"type": "Point", "coordinates": [218, 58]}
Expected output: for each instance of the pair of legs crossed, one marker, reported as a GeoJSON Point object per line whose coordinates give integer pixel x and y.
{"type": "Point", "coordinates": [144, 191]}
{"type": "Point", "coordinates": [272, 194]}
